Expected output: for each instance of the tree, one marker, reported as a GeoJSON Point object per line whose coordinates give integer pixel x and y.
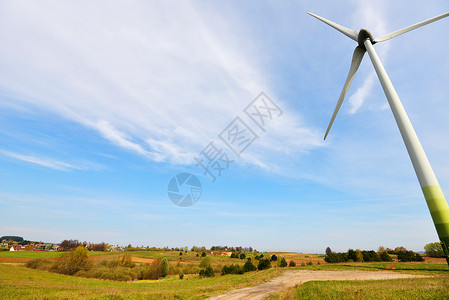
{"type": "Point", "coordinates": [400, 249]}
{"type": "Point", "coordinates": [358, 255]}
{"type": "Point", "coordinates": [203, 254]}
{"type": "Point", "coordinates": [434, 250]}
{"type": "Point", "coordinates": [274, 257]}
{"type": "Point", "coordinates": [283, 263]}
{"type": "Point", "coordinates": [328, 251]}
{"type": "Point", "coordinates": [351, 255]}
{"type": "Point", "coordinates": [68, 245]}
{"type": "Point", "coordinates": [384, 256]}
{"type": "Point", "coordinates": [264, 263]}
{"type": "Point", "coordinates": [205, 262]}
{"type": "Point", "coordinates": [242, 256]}
{"type": "Point", "coordinates": [164, 267]}
{"type": "Point", "coordinates": [292, 264]}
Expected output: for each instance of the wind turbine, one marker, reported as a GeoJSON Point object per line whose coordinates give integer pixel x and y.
{"type": "Point", "coordinates": [436, 202]}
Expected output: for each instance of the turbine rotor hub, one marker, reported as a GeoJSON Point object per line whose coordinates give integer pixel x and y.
{"type": "Point", "coordinates": [364, 34]}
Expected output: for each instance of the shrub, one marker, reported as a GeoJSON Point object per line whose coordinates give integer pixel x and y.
{"type": "Point", "coordinates": [309, 263]}
{"type": "Point", "coordinates": [242, 256]}
{"type": "Point", "coordinates": [234, 255]}
{"type": "Point", "coordinates": [292, 264]}
{"type": "Point", "coordinates": [208, 272]}
{"type": "Point", "coordinates": [274, 257]}
{"type": "Point", "coordinates": [249, 266]}
{"type": "Point", "coordinates": [264, 263]}
{"type": "Point", "coordinates": [232, 269]}
{"type": "Point", "coordinates": [203, 254]}
{"type": "Point", "coordinates": [181, 276]}
{"type": "Point", "coordinates": [39, 264]}
{"type": "Point", "coordinates": [283, 263]}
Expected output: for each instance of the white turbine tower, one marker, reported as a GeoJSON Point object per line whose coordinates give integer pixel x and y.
{"type": "Point", "coordinates": [436, 202]}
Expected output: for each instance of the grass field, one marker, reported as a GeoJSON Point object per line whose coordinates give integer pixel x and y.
{"type": "Point", "coordinates": [20, 282]}
{"type": "Point", "coordinates": [417, 288]}
{"type": "Point", "coordinates": [16, 281]}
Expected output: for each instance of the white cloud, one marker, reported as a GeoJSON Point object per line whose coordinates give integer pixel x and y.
{"type": "Point", "coordinates": [159, 79]}
{"type": "Point", "coordinates": [45, 162]}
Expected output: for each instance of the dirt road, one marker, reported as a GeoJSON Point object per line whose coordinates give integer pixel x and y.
{"type": "Point", "coordinates": [291, 278]}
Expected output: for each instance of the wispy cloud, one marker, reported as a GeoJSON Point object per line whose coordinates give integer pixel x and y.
{"type": "Point", "coordinates": [160, 80]}
{"type": "Point", "coordinates": [42, 161]}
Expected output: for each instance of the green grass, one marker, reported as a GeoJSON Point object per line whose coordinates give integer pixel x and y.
{"type": "Point", "coordinates": [417, 288]}
{"type": "Point", "coordinates": [409, 268]}
{"type": "Point", "coordinates": [20, 282]}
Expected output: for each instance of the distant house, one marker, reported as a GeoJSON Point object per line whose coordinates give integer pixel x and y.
{"type": "Point", "coordinates": [17, 248]}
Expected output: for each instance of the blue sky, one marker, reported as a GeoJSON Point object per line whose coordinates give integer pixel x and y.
{"type": "Point", "coordinates": [102, 103]}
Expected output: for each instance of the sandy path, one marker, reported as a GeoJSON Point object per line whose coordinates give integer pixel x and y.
{"type": "Point", "coordinates": [292, 278]}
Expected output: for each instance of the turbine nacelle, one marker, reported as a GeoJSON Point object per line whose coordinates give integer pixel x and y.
{"type": "Point", "coordinates": [362, 36]}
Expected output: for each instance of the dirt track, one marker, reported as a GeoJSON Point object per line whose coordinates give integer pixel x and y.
{"type": "Point", "coordinates": [292, 278]}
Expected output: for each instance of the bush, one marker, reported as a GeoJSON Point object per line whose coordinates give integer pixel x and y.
{"type": "Point", "coordinates": [264, 263]}
{"type": "Point", "coordinates": [292, 264]}
{"type": "Point", "coordinates": [384, 256]}
{"type": "Point", "coordinates": [181, 276]}
{"type": "Point", "coordinates": [274, 257]}
{"type": "Point", "coordinates": [234, 255]}
{"type": "Point", "coordinates": [39, 264]}
{"type": "Point", "coordinates": [208, 272]}
{"type": "Point", "coordinates": [232, 269]}
{"type": "Point", "coordinates": [283, 263]}
{"type": "Point", "coordinates": [249, 266]}
{"type": "Point", "coordinates": [242, 256]}
{"type": "Point", "coordinates": [203, 254]}
{"type": "Point", "coordinates": [72, 262]}
{"type": "Point", "coordinates": [409, 256]}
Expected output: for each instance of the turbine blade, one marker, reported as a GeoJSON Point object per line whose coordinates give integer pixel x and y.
{"type": "Point", "coordinates": [356, 60]}
{"type": "Point", "coordinates": [412, 27]}
{"type": "Point", "coordinates": [353, 34]}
